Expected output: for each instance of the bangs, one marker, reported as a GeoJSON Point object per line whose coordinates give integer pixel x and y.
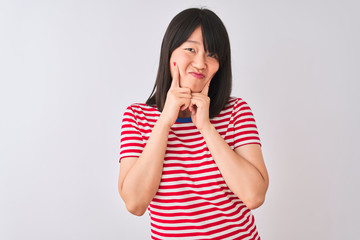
{"type": "Point", "coordinates": [215, 37]}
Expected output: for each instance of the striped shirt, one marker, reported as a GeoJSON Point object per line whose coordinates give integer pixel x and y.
{"type": "Point", "coordinates": [193, 200]}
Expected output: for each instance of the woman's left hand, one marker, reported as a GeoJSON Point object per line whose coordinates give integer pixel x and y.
{"type": "Point", "coordinates": [199, 108]}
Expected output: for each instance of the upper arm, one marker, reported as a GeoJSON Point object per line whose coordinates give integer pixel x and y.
{"type": "Point", "coordinates": [253, 154]}
{"type": "Point", "coordinates": [131, 145]}
{"type": "Point", "coordinates": [125, 165]}
{"type": "Point", "coordinates": [247, 141]}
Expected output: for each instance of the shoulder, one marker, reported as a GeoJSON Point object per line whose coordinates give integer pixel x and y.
{"type": "Point", "coordinates": [239, 107]}
{"type": "Point", "coordinates": [141, 109]}
{"type": "Point", "coordinates": [236, 103]}
{"type": "Point", "coordinates": [232, 106]}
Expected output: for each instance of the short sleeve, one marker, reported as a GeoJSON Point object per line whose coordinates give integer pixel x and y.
{"type": "Point", "coordinates": [131, 141]}
{"type": "Point", "coordinates": [245, 128]}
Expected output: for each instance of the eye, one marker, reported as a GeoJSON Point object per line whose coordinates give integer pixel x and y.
{"type": "Point", "coordinates": [190, 49]}
{"type": "Point", "coordinates": [213, 55]}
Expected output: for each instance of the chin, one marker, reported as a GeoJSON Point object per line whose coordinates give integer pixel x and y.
{"type": "Point", "coordinates": [194, 88]}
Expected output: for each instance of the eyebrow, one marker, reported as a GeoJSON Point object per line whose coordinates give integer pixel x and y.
{"type": "Point", "coordinates": [192, 41]}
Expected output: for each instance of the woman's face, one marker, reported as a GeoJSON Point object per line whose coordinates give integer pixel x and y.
{"type": "Point", "coordinates": [196, 67]}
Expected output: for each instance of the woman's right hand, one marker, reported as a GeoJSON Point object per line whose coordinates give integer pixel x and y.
{"type": "Point", "coordinates": [177, 99]}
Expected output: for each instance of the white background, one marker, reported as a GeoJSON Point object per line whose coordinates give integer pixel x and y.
{"type": "Point", "coordinates": [68, 69]}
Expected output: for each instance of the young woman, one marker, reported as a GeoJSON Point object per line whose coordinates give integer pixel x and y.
{"type": "Point", "coordinates": [192, 154]}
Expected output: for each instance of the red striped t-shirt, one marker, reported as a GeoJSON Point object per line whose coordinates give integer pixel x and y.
{"type": "Point", "coordinates": [193, 200]}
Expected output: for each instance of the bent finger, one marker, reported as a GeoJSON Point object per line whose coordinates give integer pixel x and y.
{"type": "Point", "coordinates": [205, 90]}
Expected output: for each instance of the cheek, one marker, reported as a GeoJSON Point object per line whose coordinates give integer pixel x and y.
{"type": "Point", "coordinates": [214, 69]}
{"type": "Point", "coordinates": [174, 59]}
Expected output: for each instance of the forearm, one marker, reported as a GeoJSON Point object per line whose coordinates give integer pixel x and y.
{"type": "Point", "coordinates": [242, 177]}
{"type": "Point", "coordinates": [142, 181]}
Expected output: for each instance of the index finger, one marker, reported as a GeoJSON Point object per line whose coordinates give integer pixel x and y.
{"type": "Point", "coordinates": [176, 76]}
{"type": "Point", "coordinates": [205, 90]}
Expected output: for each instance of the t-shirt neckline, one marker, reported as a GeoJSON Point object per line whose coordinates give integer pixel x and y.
{"type": "Point", "coordinates": [184, 120]}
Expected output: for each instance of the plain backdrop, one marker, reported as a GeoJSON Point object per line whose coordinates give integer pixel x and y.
{"type": "Point", "coordinates": [68, 70]}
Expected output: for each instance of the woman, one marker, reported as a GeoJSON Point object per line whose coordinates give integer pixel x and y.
{"type": "Point", "coordinates": [192, 153]}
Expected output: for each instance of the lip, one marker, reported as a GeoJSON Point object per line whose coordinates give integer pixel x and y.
{"type": "Point", "coordinates": [197, 75]}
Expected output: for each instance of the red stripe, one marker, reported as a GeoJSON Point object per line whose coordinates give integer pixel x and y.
{"type": "Point", "coordinates": [195, 179]}
{"type": "Point", "coordinates": [183, 185]}
{"type": "Point", "coordinates": [179, 171]}
{"type": "Point", "coordinates": [124, 145]}
{"type": "Point", "coordinates": [187, 151]}
{"type": "Point", "coordinates": [194, 198]}
{"type": "Point", "coordinates": [130, 151]}
{"type": "Point", "coordinates": [179, 145]}
{"type": "Point", "coordinates": [190, 206]}
{"type": "Point", "coordinates": [177, 138]}
{"type": "Point", "coordinates": [135, 139]}
{"type": "Point", "coordinates": [187, 192]}
{"type": "Point", "coordinates": [188, 158]}
{"type": "Point", "coordinates": [246, 139]}
{"type": "Point", "coordinates": [167, 164]}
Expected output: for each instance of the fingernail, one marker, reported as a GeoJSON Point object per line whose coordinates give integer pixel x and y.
{"type": "Point", "coordinates": [174, 64]}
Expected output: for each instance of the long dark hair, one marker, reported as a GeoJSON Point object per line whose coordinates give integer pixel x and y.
{"type": "Point", "coordinates": [215, 40]}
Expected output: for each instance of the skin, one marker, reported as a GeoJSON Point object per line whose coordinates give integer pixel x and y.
{"type": "Point", "coordinates": [243, 169]}
{"type": "Point", "coordinates": [191, 57]}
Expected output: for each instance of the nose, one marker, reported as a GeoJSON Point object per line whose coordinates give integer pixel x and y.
{"type": "Point", "coordinates": [199, 61]}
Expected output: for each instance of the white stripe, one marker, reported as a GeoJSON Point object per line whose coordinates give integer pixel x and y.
{"type": "Point", "coordinates": [191, 195]}
{"type": "Point", "coordinates": [129, 155]}
{"type": "Point", "coordinates": [190, 169]}
{"type": "Point", "coordinates": [192, 176]}
{"type": "Point", "coordinates": [186, 155]}
{"type": "Point", "coordinates": [246, 136]}
{"type": "Point", "coordinates": [240, 130]}
{"type": "Point", "coordinates": [195, 189]}
{"type": "Point", "coordinates": [211, 202]}
{"type": "Point", "coordinates": [194, 132]}
{"type": "Point", "coordinates": [146, 120]}
{"type": "Point", "coordinates": [200, 141]}
{"type": "Point", "coordinates": [204, 161]}
{"type": "Point", "coordinates": [191, 149]}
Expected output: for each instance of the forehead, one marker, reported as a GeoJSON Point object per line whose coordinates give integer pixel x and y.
{"type": "Point", "coordinates": [196, 33]}
{"type": "Point", "coordinates": [196, 37]}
